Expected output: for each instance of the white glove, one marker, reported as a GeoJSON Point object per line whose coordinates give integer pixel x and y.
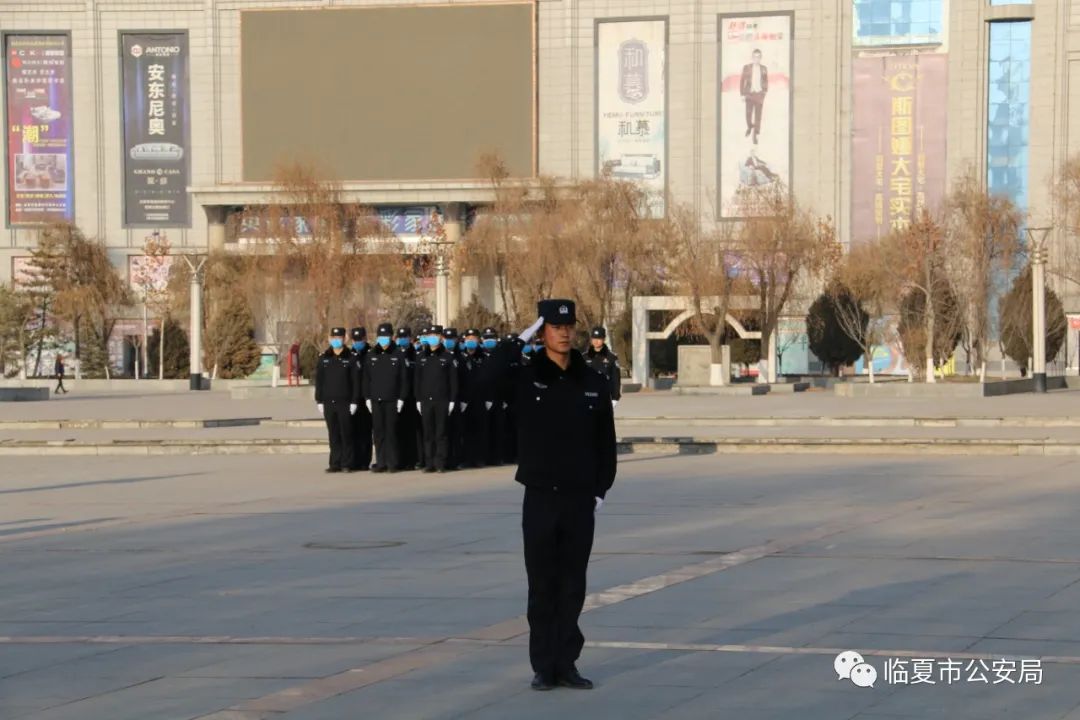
{"type": "Point", "coordinates": [451, 407]}
{"type": "Point", "coordinates": [614, 404]}
{"type": "Point", "coordinates": [504, 406]}
{"type": "Point", "coordinates": [320, 407]}
{"type": "Point", "coordinates": [487, 404]}
{"type": "Point", "coordinates": [464, 406]}
{"type": "Point", "coordinates": [527, 333]}
{"type": "Point", "coordinates": [418, 407]}
{"type": "Point", "coordinates": [352, 408]}
{"type": "Point", "coordinates": [400, 404]}
{"type": "Point", "coordinates": [368, 403]}
{"type": "Point", "coordinates": [599, 504]}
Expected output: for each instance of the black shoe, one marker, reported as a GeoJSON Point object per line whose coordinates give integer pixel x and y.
{"type": "Point", "coordinates": [541, 683]}
{"type": "Point", "coordinates": [332, 470]}
{"type": "Point", "coordinates": [443, 470]}
{"type": "Point", "coordinates": [348, 471]}
{"type": "Point", "coordinates": [429, 470]}
{"type": "Point", "coordinates": [377, 469]}
{"type": "Point", "coordinates": [572, 679]}
{"type": "Point", "coordinates": [362, 468]}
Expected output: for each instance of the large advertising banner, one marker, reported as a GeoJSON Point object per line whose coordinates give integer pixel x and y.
{"type": "Point", "coordinates": [755, 79]}
{"type": "Point", "coordinates": [631, 104]}
{"type": "Point", "coordinates": [156, 145]}
{"type": "Point", "coordinates": [39, 135]}
{"type": "Point", "coordinates": [898, 141]}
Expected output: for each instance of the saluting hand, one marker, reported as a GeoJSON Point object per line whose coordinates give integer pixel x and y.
{"type": "Point", "coordinates": [527, 333]}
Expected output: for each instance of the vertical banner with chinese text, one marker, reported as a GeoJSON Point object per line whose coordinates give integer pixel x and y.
{"type": "Point", "coordinates": [754, 115]}
{"type": "Point", "coordinates": [899, 131]}
{"type": "Point", "coordinates": [631, 105]}
{"type": "Point", "coordinates": [39, 132]}
{"type": "Point", "coordinates": [156, 146]}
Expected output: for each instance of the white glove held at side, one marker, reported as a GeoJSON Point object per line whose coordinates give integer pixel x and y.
{"type": "Point", "coordinates": [418, 407]}
{"type": "Point", "coordinates": [368, 403]}
{"type": "Point", "coordinates": [464, 406]}
{"type": "Point", "coordinates": [599, 504]}
{"type": "Point", "coordinates": [400, 404]}
{"type": "Point", "coordinates": [451, 407]}
{"type": "Point", "coordinates": [487, 404]}
{"type": "Point", "coordinates": [352, 408]}
{"type": "Point", "coordinates": [527, 333]}
{"type": "Point", "coordinates": [614, 404]}
{"type": "Point", "coordinates": [320, 408]}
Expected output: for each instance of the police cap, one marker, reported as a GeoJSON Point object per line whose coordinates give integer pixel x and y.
{"type": "Point", "coordinates": [490, 334]}
{"type": "Point", "coordinates": [404, 332]}
{"type": "Point", "coordinates": [599, 332]}
{"type": "Point", "coordinates": [359, 333]}
{"type": "Point", "coordinates": [436, 329]}
{"type": "Point", "coordinates": [557, 312]}
{"type": "Point", "coordinates": [337, 332]}
{"type": "Point", "coordinates": [385, 330]}
{"type": "Point", "coordinates": [472, 331]}
{"type": "Point", "coordinates": [450, 333]}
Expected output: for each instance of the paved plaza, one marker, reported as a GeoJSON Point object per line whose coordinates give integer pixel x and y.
{"type": "Point", "coordinates": [255, 587]}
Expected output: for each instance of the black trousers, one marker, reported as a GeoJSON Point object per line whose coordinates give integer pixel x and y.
{"type": "Point", "coordinates": [384, 424]}
{"type": "Point", "coordinates": [408, 421]}
{"type": "Point", "coordinates": [361, 424]}
{"type": "Point", "coordinates": [558, 532]}
{"type": "Point", "coordinates": [754, 103]}
{"type": "Point", "coordinates": [339, 428]}
{"type": "Point", "coordinates": [436, 421]}
{"type": "Point", "coordinates": [479, 433]}
{"type": "Point", "coordinates": [507, 428]}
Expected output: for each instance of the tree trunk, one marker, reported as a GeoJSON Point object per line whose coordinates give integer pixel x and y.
{"type": "Point", "coordinates": [161, 351]}
{"type": "Point", "coordinates": [930, 338]}
{"type": "Point", "coordinates": [982, 372]}
{"type": "Point", "coordinates": [870, 362]}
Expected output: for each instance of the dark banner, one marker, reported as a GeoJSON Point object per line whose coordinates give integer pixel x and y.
{"type": "Point", "coordinates": [155, 84]}
{"type": "Point", "coordinates": [39, 137]}
{"type": "Point", "coordinates": [898, 141]}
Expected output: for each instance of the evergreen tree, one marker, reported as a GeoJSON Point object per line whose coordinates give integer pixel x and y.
{"type": "Point", "coordinates": [231, 351]}
{"type": "Point", "coordinates": [177, 351]}
{"type": "Point", "coordinates": [827, 337]}
{"type": "Point", "coordinates": [1016, 320]}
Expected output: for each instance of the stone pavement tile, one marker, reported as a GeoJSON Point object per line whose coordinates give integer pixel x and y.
{"type": "Point", "coordinates": [679, 669]}
{"type": "Point", "coordinates": [894, 641]}
{"type": "Point", "coordinates": [15, 659]}
{"type": "Point", "coordinates": [294, 661]}
{"type": "Point", "coordinates": [908, 620]}
{"type": "Point", "coordinates": [162, 699]}
{"type": "Point", "coordinates": [1058, 695]}
{"type": "Point", "coordinates": [1062, 626]}
{"type": "Point", "coordinates": [1027, 648]}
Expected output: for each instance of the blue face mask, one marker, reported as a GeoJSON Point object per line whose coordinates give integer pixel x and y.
{"type": "Point", "coordinates": [418, 345]}
{"type": "Point", "coordinates": [490, 344]}
{"type": "Point", "coordinates": [471, 344]}
{"type": "Point", "coordinates": [451, 344]}
{"type": "Point", "coordinates": [359, 345]}
{"type": "Point", "coordinates": [403, 342]}
{"type": "Point", "coordinates": [384, 342]}
{"type": "Point", "coordinates": [527, 349]}
{"type": "Point", "coordinates": [432, 341]}
{"type": "Point", "coordinates": [336, 343]}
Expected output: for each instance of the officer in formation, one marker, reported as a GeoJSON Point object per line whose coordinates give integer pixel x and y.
{"type": "Point", "coordinates": [426, 403]}
{"type": "Point", "coordinates": [566, 461]}
{"type": "Point", "coordinates": [337, 396]}
{"type": "Point", "coordinates": [600, 358]}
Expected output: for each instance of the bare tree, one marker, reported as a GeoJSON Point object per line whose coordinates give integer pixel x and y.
{"type": "Point", "coordinates": [983, 239]}
{"type": "Point", "coordinates": [778, 245]}
{"type": "Point", "coordinates": [151, 276]}
{"type": "Point", "coordinates": [1064, 263]}
{"type": "Point", "coordinates": [861, 289]}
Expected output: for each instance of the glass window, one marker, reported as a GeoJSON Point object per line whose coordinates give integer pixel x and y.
{"type": "Point", "coordinates": [1009, 110]}
{"type": "Point", "coordinates": [897, 22]}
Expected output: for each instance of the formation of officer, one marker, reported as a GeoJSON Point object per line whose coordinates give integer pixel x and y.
{"type": "Point", "coordinates": [431, 400]}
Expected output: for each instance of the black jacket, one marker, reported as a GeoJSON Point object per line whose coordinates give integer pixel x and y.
{"type": "Point", "coordinates": [337, 377]}
{"type": "Point", "coordinates": [435, 376]}
{"type": "Point", "coordinates": [481, 382]}
{"type": "Point", "coordinates": [566, 427]}
{"type": "Point", "coordinates": [606, 363]}
{"type": "Point", "coordinates": [409, 353]}
{"type": "Point", "coordinates": [385, 375]}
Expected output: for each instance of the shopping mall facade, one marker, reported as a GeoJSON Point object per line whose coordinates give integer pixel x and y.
{"type": "Point", "coordinates": [136, 116]}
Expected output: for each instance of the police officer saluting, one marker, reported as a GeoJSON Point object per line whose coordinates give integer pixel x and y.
{"type": "Point", "coordinates": [385, 388]}
{"type": "Point", "coordinates": [600, 358]}
{"type": "Point", "coordinates": [566, 461]}
{"type": "Point", "coordinates": [337, 395]}
{"type": "Point", "coordinates": [362, 419]}
{"type": "Point", "coordinates": [436, 384]}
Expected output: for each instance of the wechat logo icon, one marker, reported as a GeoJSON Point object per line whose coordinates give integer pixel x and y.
{"type": "Point", "coordinates": [850, 665]}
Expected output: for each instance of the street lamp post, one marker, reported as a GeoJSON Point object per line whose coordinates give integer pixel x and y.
{"type": "Point", "coordinates": [1036, 243]}
{"type": "Point", "coordinates": [195, 358]}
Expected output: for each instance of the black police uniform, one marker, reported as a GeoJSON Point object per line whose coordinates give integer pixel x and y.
{"type": "Point", "coordinates": [361, 421]}
{"type": "Point", "coordinates": [409, 419]}
{"type": "Point", "coordinates": [337, 385]}
{"type": "Point", "coordinates": [507, 427]}
{"type": "Point", "coordinates": [456, 423]}
{"type": "Point", "coordinates": [606, 363]}
{"type": "Point", "coordinates": [436, 384]}
{"type": "Point", "coordinates": [385, 385]}
{"type": "Point", "coordinates": [479, 391]}
{"type": "Point", "coordinates": [566, 458]}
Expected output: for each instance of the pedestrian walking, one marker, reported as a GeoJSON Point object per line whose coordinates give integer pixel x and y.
{"type": "Point", "coordinates": [601, 359]}
{"type": "Point", "coordinates": [566, 461]}
{"type": "Point", "coordinates": [436, 382]}
{"type": "Point", "coordinates": [362, 419]}
{"type": "Point", "coordinates": [337, 396]}
{"type": "Point", "coordinates": [58, 370]}
{"type": "Point", "coordinates": [385, 388]}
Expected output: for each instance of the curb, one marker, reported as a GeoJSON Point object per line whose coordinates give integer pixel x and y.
{"type": "Point", "coordinates": [129, 424]}
{"type": "Point", "coordinates": [626, 446]}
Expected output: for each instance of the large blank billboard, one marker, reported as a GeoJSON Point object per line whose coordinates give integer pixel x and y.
{"type": "Point", "coordinates": [389, 93]}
